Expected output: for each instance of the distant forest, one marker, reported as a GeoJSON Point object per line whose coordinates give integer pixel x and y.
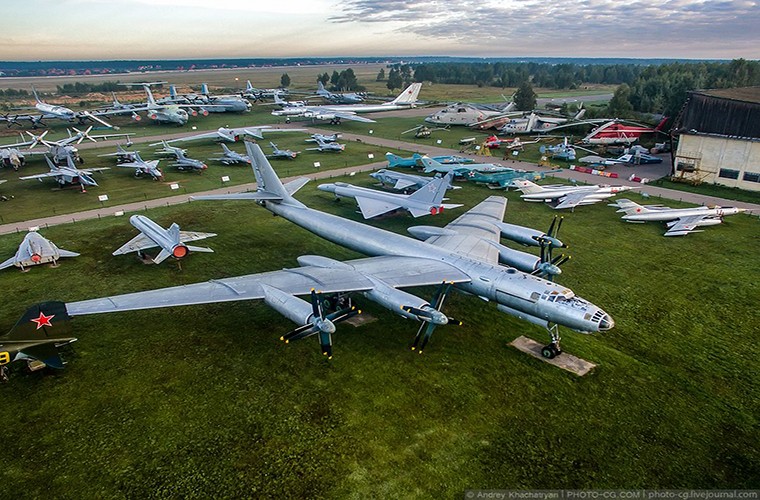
{"type": "Point", "coordinates": [653, 88]}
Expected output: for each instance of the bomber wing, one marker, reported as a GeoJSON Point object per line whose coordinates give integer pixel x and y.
{"type": "Point", "coordinates": [475, 230]}
{"type": "Point", "coordinates": [357, 275]}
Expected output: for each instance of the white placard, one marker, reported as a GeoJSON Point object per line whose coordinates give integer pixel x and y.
{"type": "Point", "coordinates": [370, 155]}
{"type": "Point", "coordinates": [225, 178]}
{"type": "Point", "coordinates": [102, 197]}
{"type": "Point", "coordinates": [438, 141]}
{"type": "Point", "coordinates": [174, 185]}
{"type": "Point", "coordinates": [317, 164]}
{"type": "Point", "coordinates": [371, 132]}
{"type": "Point", "coordinates": [352, 174]}
{"type": "Point", "coordinates": [119, 213]}
{"type": "Point", "coordinates": [34, 228]}
{"type": "Point", "coordinates": [515, 153]}
{"type": "Point", "coordinates": [477, 148]}
{"type": "Point", "coordinates": [195, 128]}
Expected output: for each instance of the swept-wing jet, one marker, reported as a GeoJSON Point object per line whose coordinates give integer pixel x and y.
{"type": "Point", "coordinates": [327, 146]}
{"type": "Point", "coordinates": [404, 182]}
{"type": "Point", "coordinates": [50, 111]}
{"type": "Point", "coordinates": [414, 160]}
{"type": "Point", "coordinates": [372, 203]}
{"type": "Point", "coordinates": [34, 250]}
{"type": "Point", "coordinates": [12, 157]}
{"type": "Point", "coordinates": [229, 157]}
{"type": "Point", "coordinates": [282, 153]}
{"type": "Point", "coordinates": [502, 180]}
{"type": "Point", "coordinates": [567, 196]}
{"type": "Point", "coordinates": [459, 169]}
{"type": "Point", "coordinates": [142, 167]}
{"type": "Point", "coordinates": [37, 336]}
{"type": "Point", "coordinates": [680, 221]}
{"type": "Point", "coordinates": [252, 92]}
{"type": "Point", "coordinates": [337, 98]}
{"type": "Point", "coordinates": [466, 254]}
{"type": "Point", "coordinates": [172, 241]}
{"type": "Point", "coordinates": [67, 174]}
{"type": "Point", "coordinates": [405, 100]}
{"type": "Point", "coordinates": [224, 134]}
{"type": "Point", "coordinates": [323, 138]}
{"type": "Point", "coordinates": [181, 161]}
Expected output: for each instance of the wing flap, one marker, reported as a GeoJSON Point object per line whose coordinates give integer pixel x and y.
{"type": "Point", "coordinates": [372, 208]}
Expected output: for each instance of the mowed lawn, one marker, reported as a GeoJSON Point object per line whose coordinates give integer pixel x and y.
{"type": "Point", "coordinates": [206, 401]}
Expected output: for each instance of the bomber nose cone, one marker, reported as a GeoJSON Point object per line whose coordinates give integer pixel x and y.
{"type": "Point", "coordinates": [606, 323]}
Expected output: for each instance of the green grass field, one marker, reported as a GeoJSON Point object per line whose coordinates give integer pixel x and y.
{"type": "Point", "coordinates": [205, 401]}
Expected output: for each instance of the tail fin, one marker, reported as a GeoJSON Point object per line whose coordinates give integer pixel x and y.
{"type": "Point", "coordinates": [151, 100]}
{"type": "Point", "coordinates": [629, 207]}
{"type": "Point", "coordinates": [408, 96]}
{"type": "Point", "coordinates": [248, 86]}
{"type": "Point", "coordinates": [172, 91]}
{"type": "Point", "coordinates": [432, 166]}
{"type": "Point", "coordinates": [41, 322]}
{"type": "Point", "coordinates": [393, 160]}
{"type": "Point", "coordinates": [581, 112]}
{"type": "Point", "coordinates": [34, 91]}
{"type": "Point", "coordinates": [662, 123]}
{"type": "Point", "coordinates": [527, 187]}
{"type": "Point", "coordinates": [173, 232]}
{"type": "Point", "coordinates": [204, 89]}
{"type": "Point", "coordinates": [321, 88]}
{"type": "Point", "coordinates": [433, 192]}
{"type": "Point", "coordinates": [225, 148]}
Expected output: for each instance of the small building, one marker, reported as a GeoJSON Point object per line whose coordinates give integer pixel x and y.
{"type": "Point", "coordinates": [719, 138]}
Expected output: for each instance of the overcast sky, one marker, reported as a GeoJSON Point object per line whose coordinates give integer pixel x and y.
{"type": "Point", "coordinates": [160, 29]}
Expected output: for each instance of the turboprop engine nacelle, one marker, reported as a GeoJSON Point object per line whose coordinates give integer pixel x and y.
{"type": "Point", "coordinates": [296, 310]}
{"type": "Point", "coordinates": [403, 303]}
{"type": "Point", "coordinates": [515, 258]}
{"type": "Point", "coordinates": [525, 235]}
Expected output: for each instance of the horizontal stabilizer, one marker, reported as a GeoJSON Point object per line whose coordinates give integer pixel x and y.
{"type": "Point", "coordinates": [293, 186]}
{"type": "Point", "coordinates": [162, 256]}
{"type": "Point", "coordinates": [193, 248]}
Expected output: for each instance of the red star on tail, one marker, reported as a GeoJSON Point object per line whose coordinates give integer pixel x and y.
{"type": "Point", "coordinates": [43, 320]}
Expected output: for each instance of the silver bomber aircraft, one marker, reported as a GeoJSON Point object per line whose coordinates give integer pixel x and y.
{"type": "Point", "coordinates": [464, 254]}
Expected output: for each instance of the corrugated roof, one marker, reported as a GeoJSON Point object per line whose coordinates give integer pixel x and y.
{"type": "Point", "coordinates": [746, 94]}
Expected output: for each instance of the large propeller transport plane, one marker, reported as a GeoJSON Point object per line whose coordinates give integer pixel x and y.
{"type": "Point", "coordinates": [465, 254]}
{"type": "Point", "coordinates": [34, 250]}
{"type": "Point", "coordinates": [567, 196]}
{"type": "Point", "coordinates": [372, 203]}
{"type": "Point", "coordinates": [680, 221]}
{"type": "Point", "coordinates": [172, 241]}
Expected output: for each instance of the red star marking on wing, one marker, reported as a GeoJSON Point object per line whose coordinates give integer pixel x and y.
{"type": "Point", "coordinates": [43, 320]}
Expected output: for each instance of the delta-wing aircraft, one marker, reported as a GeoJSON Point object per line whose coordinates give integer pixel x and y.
{"type": "Point", "coordinates": [67, 174]}
{"type": "Point", "coordinates": [460, 169]}
{"type": "Point", "coordinates": [172, 241]}
{"type": "Point", "coordinates": [466, 254]}
{"type": "Point", "coordinates": [415, 160]}
{"type": "Point", "coordinates": [34, 250]}
{"type": "Point", "coordinates": [322, 146]}
{"type": "Point", "coordinates": [372, 203]}
{"type": "Point", "coordinates": [680, 221]}
{"type": "Point", "coordinates": [142, 167]}
{"type": "Point", "coordinates": [401, 181]}
{"type": "Point", "coordinates": [567, 196]}
{"type": "Point", "coordinates": [37, 336]}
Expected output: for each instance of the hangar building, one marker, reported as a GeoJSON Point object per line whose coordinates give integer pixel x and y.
{"type": "Point", "coordinates": [719, 138]}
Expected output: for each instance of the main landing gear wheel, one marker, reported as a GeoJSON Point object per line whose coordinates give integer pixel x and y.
{"type": "Point", "coordinates": [550, 351]}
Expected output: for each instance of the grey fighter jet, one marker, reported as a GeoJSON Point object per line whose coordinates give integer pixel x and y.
{"type": "Point", "coordinates": [464, 254]}
{"type": "Point", "coordinates": [404, 182]}
{"type": "Point", "coordinates": [68, 174]}
{"type": "Point", "coordinates": [230, 157]}
{"type": "Point", "coordinates": [426, 201]}
{"type": "Point", "coordinates": [172, 241]}
{"type": "Point", "coordinates": [35, 250]}
{"type": "Point", "coordinates": [567, 196]}
{"type": "Point", "coordinates": [680, 221]}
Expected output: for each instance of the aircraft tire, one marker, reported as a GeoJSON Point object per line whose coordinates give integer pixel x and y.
{"type": "Point", "coordinates": [549, 351]}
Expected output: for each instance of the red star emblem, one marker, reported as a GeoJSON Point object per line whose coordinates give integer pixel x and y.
{"type": "Point", "coordinates": [43, 320]}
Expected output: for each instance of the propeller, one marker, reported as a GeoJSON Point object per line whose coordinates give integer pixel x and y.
{"type": "Point", "coordinates": [430, 320]}
{"type": "Point", "coordinates": [36, 139]}
{"type": "Point", "coordinates": [84, 135]}
{"type": "Point", "coordinates": [549, 266]}
{"type": "Point", "coordinates": [321, 324]}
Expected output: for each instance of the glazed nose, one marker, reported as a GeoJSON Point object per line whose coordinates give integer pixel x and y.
{"type": "Point", "coordinates": [606, 323]}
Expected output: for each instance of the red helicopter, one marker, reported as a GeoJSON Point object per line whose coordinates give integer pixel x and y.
{"type": "Point", "coordinates": [619, 132]}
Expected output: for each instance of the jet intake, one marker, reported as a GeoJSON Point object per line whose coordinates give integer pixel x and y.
{"type": "Point", "coordinates": [399, 301]}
